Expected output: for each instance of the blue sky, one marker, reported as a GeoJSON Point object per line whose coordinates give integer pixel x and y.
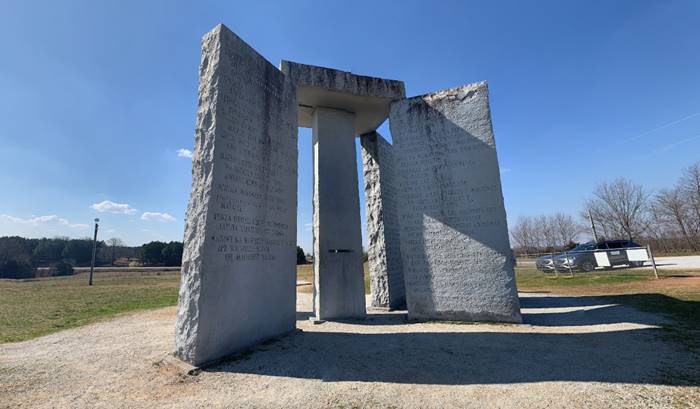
{"type": "Point", "coordinates": [97, 97]}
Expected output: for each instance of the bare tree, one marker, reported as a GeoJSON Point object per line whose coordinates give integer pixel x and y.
{"type": "Point", "coordinates": [620, 207]}
{"type": "Point", "coordinates": [690, 187]}
{"type": "Point", "coordinates": [546, 232]}
{"type": "Point", "coordinates": [115, 242]}
{"type": "Point", "coordinates": [674, 212]}
{"type": "Point", "coordinates": [566, 229]}
{"type": "Point", "coordinates": [657, 230]}
{"type": "Point", "coordinates": [525, 235]}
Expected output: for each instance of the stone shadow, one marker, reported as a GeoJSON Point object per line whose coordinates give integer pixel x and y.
{"type": "Point", "coordinates": [563, 311]}
{"type": "Point", "coordinates": [489, 355]}
{"type": "Point", "coordinates": [304, 315]}
{"type": "Point", "coordinates": [374, 318]}
{"type": "Point", "coordinates": [447, 145]}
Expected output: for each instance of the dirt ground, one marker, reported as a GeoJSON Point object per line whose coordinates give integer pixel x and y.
{"type": "Point", "coordinates": [572, 351]}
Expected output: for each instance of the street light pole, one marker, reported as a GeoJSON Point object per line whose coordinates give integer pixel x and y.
{"type": "Point", "coordinates": [94, 250]}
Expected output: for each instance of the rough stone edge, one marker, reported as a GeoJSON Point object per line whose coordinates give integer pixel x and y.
{"type": "Point", "coordinates": [186, 340]}
{"type": "Point", "coordinates": [461, 92]}
{"type": "Point", "coordinates": [378, 269]}
{"type": "Point", "coordinates": [304, 75]}
{"type": "Point", "coordinates": [315, 228]}
{"type": "Point", "coordinates": [382, 294]}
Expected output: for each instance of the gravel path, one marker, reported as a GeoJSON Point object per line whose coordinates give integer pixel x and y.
{"type": "Point", "coordinates": [572, 352]}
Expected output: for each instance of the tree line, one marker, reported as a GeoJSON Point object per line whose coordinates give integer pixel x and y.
{"type": "Point", "coordinates": [22, 257]}
{"type": "Point", "coordinates": [668, 219]}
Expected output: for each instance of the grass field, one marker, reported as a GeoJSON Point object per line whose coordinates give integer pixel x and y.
{"type": "Point", "coordinates": [530, 278]}
{"type": "Point", "coordinates": [33, 308]}
{"type": "Point", "coordinates": [30, 309]}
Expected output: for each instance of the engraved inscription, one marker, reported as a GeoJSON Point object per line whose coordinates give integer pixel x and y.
{"type": "Point", "coordinates": [454, 239]}
{"type": "Point", "coordinates": [258, 171]}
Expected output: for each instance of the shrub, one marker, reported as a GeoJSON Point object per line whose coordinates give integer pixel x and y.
{"type": "Point", "coordinates": [152, 253]}
{"type": "Point", "coordinates": [79, 251]}
{"type": "Point", "coordinates": [10, 268]}
{"type": "Point", "coordinates": [172, 253]}
{"type": "Point", "coordinates": [60, 268]}
{"type": "Point", "coordinates": [301, 257]}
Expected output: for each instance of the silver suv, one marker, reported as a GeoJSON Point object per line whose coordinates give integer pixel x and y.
{"type": "Point", "coordinates": [581, 257]}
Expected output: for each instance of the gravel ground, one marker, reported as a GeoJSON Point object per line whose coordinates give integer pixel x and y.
{"type": "Point", "coordinates": [572, 352]}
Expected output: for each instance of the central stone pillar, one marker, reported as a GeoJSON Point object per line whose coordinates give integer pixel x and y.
{"type": "Point", "coordinates": [339, 290]}
{"type": "Point", "coordinates": [338, 106]}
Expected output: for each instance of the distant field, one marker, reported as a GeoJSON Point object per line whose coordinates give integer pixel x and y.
{"type": "Point", "coordinates": [38, 307]}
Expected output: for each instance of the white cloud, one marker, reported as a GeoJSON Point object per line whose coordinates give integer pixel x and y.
{"type": "Point", "coordinates": [111, 207]}
{"type": "Point", "coordinates": [41, 221]}
{"type": "Point", "coordinates": [157, 216]}
{"type": "Point", "coordinates": [184, 153]}
{"type": "Point", "coordinates": [308, 226]}
{"type": "Point", "coordinates": [33, 221]}
{"type": "Point", "coordinates": [505, 170]}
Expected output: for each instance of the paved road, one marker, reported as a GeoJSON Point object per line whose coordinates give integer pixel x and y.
{"type": "Point", "coordinates": [677, 263]}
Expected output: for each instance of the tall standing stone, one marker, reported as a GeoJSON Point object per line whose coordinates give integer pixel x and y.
{"type": "Point", "coordinates": [238, 270]}
{"type": "Point", "coordinates": [454, 239]}
{"type": "Point", "coordinates": [339, 286]}
{"type": "Point", "coordinates": [384, 244]}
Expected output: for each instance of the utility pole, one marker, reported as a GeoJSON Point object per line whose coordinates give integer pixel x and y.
{"type": "Point", "coordinates": [94, 250]}
{"type": "Point", "coordinates": [590, 217]}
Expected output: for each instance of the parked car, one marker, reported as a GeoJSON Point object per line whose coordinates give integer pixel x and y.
{"type": "Point", "coordinates": [582, 258]}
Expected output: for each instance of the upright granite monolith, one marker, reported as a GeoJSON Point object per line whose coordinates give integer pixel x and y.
{"type": "Point", "coordinates": [238, 271]}
{"type": "Point", "coordinates": [457, 260]}
{"type": "Point", "coordinates": [339, 290]}
{"type": "Point", "coordinates": [383, 241]}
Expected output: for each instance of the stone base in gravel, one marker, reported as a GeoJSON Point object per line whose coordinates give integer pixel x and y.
{"type": "Point", "coordinates": [571, 352]}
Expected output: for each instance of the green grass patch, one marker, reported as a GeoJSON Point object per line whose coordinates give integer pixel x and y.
{"type": "Point", "coordinates": [33, 308]}
{"type": "Point", "coordinates": [532, 279]}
